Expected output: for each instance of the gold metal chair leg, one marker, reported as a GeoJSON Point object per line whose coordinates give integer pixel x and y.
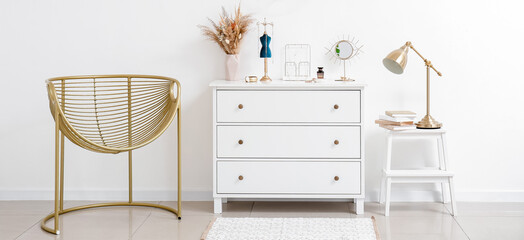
{"type": "Point", "coordinates": [179, 180]}
{"type": "Point", "coordinates": [130, 162]}
{"type": "Point", "coordinates": [59, 184]}
{"type": "Point", "coordinates": [115, 204]}
{"type": "Point", "coordinates": [62, 147]}
{"type": "Point", "coordinates": [56, 229]}
{"type": "Point", "coordinates": [130, 140]}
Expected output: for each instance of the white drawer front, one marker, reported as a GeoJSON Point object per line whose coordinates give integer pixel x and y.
{"type": "Point", "coordinates": [288, 106]}
{"type": "Point", "coordinates": [288, 141]}
{"type": "Point", "coordinates": [288, 177]}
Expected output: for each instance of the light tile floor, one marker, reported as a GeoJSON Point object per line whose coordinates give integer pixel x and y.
{"type": "Point", "coordinates": [21, 219]}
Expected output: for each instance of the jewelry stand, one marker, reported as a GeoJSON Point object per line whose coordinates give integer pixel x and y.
{"type": "Point", "coordinates": [265, 52]}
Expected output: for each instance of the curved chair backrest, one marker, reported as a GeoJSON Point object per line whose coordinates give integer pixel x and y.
{"type": "Point", "coordinates": [113, 113]}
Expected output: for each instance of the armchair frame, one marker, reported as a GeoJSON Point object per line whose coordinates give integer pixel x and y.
{"type": "Point", "coordinates": [111, 114]}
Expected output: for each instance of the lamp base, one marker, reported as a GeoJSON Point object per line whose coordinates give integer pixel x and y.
{"type": "Point", "coordinates": [265, 79]}
{"type": "Point", "coordinates": [428, 122]}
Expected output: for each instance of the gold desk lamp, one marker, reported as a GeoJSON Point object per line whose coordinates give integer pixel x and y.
{"type": "Point", "coordinates": [396, 62]}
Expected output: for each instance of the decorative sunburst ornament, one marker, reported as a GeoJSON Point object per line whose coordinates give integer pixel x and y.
{"type": "Point", "coordinates": [344, 50]}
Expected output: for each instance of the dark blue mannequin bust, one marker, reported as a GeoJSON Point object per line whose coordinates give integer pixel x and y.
{"type": "Point", "coordinates": [265, 52]}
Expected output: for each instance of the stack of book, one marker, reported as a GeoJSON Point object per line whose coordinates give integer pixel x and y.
{"type": "Point", "coordinates": [397, 120]}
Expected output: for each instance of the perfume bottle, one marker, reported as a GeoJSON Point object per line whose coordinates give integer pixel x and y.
{"type": "Point", "coordinates": [320, 73]}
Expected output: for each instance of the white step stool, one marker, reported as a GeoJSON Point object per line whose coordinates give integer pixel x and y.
{"type": "Point", "coordinates": [440, 175]}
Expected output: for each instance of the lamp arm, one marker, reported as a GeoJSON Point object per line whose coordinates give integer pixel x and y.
{"type": "Point", "coordinates": [427, 62]}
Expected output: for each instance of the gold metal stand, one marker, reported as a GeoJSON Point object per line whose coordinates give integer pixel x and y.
{"type": "Point", "coordinates": [265, 78]}
{"type": "Point", "coordinates": [427, 122]}
{"type": "Point", "coordinates": [344, 78]}
{"type": "Point", "coordinates": [111, 114]}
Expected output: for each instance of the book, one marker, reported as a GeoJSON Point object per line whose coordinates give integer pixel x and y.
{"type": "Point", "coordinates": [398, 128]}
{"type": "Point", "coordinates": [386, 122]}
{"type": "Point", "coordinates": [401, 114]}
{"type": "Point", "coordinates": [396, 119]}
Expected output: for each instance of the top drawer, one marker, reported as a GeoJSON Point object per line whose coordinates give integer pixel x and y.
{"type": "Point", "coordinates": [273, 106]}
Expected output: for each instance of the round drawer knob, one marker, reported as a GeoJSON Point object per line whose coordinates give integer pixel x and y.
{"type": "Point", "coordinates": [336, 142]}
{"type": "Point", "coordinates": [336, 106]}
{"type": "Point", "coordinates": [240, 177]}
{"type": "Point", "coordinates": [240, 106]}
{"type": "Point", "coordinates": [336, 178]}
{"type": "Point", "coordinates": [240, 142]}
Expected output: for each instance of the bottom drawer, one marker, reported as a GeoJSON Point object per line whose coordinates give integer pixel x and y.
{"type": "Point", "coordinates": [288, 177]}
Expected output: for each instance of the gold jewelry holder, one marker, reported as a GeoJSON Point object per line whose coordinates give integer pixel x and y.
{"type": "Point", "coordinates": [111, 114]}
{"type": "Point", "coordinates": [266, 78]}
{"type": "Point", "coordinates": [396, 62]}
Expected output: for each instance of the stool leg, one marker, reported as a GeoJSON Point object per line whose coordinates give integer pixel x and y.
{"type": "Point", "coordinates": [388, 196]}
{"type": "Point", "coordinates": [452, 195]}
{"type": "Point", "coordinates": [387, 167]}
{"type": "Point", "coordinates": [388, 152]}
{"type": "Point", "coordinates": [445, 192]}
{"type": "Point", "coordinates": [442, 166]}
{"type": "Point", "coordinates": [381, 194]}
{"type": "Point", "coordinates": [441, 154]}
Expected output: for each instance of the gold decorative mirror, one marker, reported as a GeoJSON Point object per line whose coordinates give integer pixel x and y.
{"type": "Point", "coordinates": [343, 50]}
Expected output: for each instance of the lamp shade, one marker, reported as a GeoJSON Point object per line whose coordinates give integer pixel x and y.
{"type": "Point", "coordinates": [396, 61]}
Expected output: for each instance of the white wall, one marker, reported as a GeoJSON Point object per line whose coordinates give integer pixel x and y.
{"type": "Point", "coordinates": [477, 45]}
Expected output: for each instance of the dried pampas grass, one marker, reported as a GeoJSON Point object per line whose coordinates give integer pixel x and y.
{"type": "Point", "coordinates": [229, 31]}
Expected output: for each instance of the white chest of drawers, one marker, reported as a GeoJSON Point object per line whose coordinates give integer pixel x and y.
{"type": "Point", "coordinates": [288, 140]}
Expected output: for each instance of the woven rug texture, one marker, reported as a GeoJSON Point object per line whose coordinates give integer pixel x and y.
{"type": "Point", "coordinates": [291, 229]}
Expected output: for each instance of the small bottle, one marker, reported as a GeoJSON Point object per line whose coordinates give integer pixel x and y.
{"type": "Point", "coordinates": [320, 73]}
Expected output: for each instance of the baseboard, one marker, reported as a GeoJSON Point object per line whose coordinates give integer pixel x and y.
{"type": "Point", "coordinates": [490, 196]}
{"type": "Point", "coordinates": [399, 195]}
{"type": "Point", "coordinates": [406, 195]}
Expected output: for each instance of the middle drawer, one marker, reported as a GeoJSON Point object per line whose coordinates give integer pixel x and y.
{"type": "Point", "coordinates": [288, 141]}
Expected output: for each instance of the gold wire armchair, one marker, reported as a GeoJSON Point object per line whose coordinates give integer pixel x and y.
{"type": "Point", "coordinates": [110, 114]}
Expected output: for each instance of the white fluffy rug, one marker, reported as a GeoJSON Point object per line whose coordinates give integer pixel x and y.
{"type": "Point", "coordinates": [291, 229]}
